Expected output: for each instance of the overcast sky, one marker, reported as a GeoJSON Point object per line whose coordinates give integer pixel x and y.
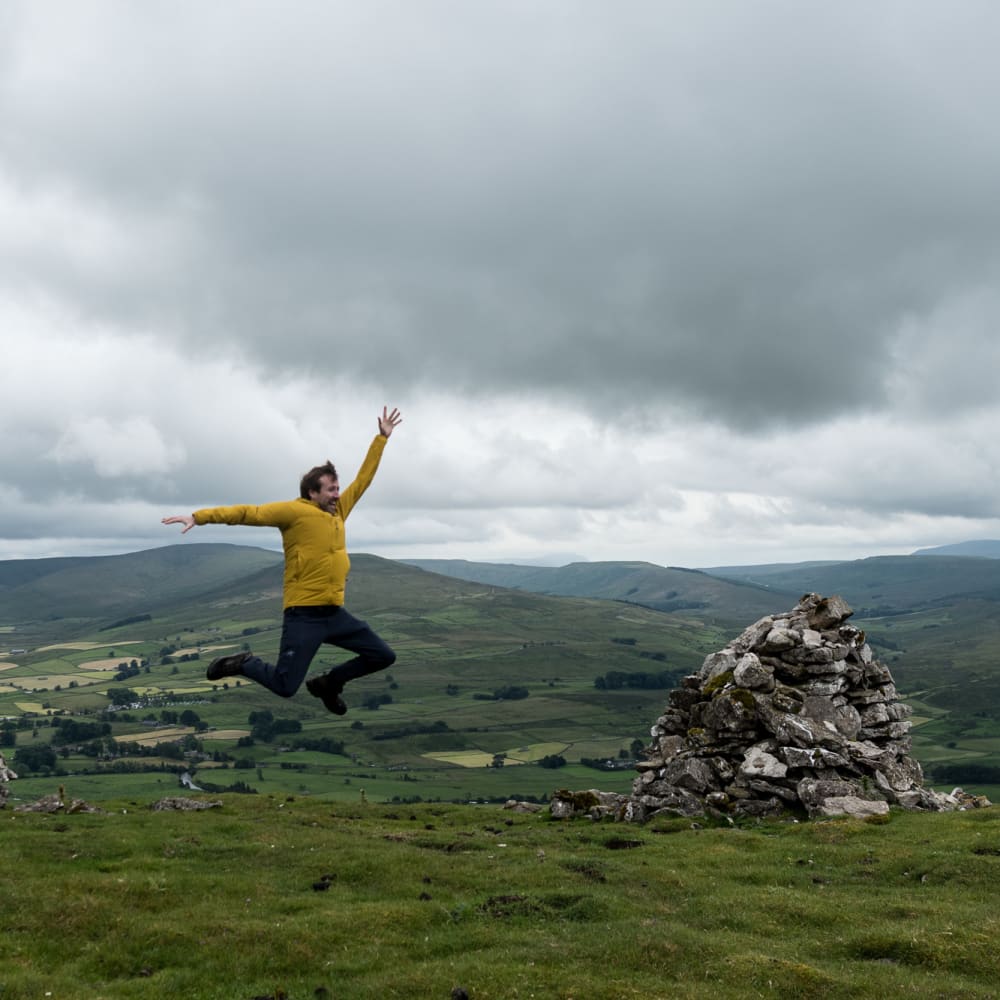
{"type": "Point", "coordinates": [699, 283]}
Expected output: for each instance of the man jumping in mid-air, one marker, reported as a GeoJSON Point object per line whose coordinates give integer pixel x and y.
{"type": "Point", "coordinates": [316, 566]}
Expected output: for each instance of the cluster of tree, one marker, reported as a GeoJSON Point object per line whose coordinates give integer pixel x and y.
{"type": "Point", "coordinates": [35, 758]}
{"type": "Point", "coordinates": [509, 693]}
{"type": "Point", "coordinates": [73, 731]}
{"type": "Point", "coordinates": [135, 619]}
{"type": "Point", "coordinates": [396, 734]}
{"type": "Point", "coordinates": [552, 760]}
{"type": "Point", "coordinates": [123, 696]}
{"type": "Point", "coordinates": [123, 766]}
{"type": "Point", "coordinates": [127, 670]}
{"type": "Point", "coordinates": [966, 774]}
{"type": "Point", "coordinates": [615, 680]}
{"type": "Point", "coordinates": [188, 717]}
{"type": "Point", "coordinates": [375, 701]}
{"type": "Point", "coordinates": [172, 749]}
{"type": "Point", "coordinates": [322, 744]}
{"type": "Point", "coordinates": [265, 727]}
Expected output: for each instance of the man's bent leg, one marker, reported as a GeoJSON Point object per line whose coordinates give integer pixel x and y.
{"type": "Point", "coordinates": [302, 632]}
{"type": "Point", "coordinates": [354, 635]}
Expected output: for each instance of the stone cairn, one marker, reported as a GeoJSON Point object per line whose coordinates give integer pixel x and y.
{"type": "Point", "coordinates": [6, 774]}
{"type": "Point", "coordinates": [796, 714]}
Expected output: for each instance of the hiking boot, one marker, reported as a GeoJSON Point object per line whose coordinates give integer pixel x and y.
{"type": "Point", "coordinates": [226, 666]}
{"type": "Point", "coordinates": [328, 693]}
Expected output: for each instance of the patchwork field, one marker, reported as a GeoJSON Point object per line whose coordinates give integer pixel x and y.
{"type": "Point", "coordinates": [483, 675]}
{"type": "Point", "coordinates": [82, 645]}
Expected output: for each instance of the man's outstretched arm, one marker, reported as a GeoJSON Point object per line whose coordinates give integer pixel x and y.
{"type": "Point", "coordinates": [186, 519]}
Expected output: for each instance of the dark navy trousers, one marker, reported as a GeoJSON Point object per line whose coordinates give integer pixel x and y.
{"type": "Point", "coordinates": [304, 630]}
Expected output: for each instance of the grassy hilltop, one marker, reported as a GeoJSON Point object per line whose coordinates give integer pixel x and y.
{"type": "Point", "coordinates": [281, 896]}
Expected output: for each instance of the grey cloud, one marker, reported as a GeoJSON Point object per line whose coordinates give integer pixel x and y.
{"type": "Point", "coordinates": [726, 211]}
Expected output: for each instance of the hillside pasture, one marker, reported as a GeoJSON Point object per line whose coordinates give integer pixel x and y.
{"type": "Point", "coordinates": [223, 734]}
{"type": "Point", "coordinates": [84, 645]}
{"type": "Point", "coordinates": [463, 758]}
{"type": "Point", "coordinates": [108, 663]}
{"type": "Point", "coordinates": [51, 682]}
{"type": "Point", "coordinates": [463, 648]}
{"type": "Point", "coordinates": [153, 738]}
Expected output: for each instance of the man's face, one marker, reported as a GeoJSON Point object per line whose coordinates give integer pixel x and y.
{"type": "Point", "coordinates": [327, 495]}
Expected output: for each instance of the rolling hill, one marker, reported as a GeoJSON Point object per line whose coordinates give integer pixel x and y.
{"type": "Point", "coordinates": [100, 587]}
{"type": "Point", "coordinates": [669, 589]}
{"type": "Point", "coordinates": [983, 548]}
{"type": "Point", "coordinates": [883, 585]}
{"type": "Point", "coordinates": [465, 646]}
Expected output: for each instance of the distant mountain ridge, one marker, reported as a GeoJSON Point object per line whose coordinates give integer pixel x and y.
{"type": "Point", "coordinates": [662, 588]}
{"type": "Point", "coordinates": [983, 549]}
{"type": "Point", "coordinates": [872, 586]}
{"type": "Point", "coordinates": [96, 586]}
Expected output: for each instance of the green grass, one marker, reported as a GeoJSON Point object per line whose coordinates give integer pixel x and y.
{"type": "Point", "coordinates": [221, 905]}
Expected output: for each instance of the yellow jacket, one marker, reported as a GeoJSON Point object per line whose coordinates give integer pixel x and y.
{"type": "Point", "coordinates": [316, 561]}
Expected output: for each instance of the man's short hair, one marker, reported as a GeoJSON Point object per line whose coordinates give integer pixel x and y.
{"type": "Point", "coordinates": [311, 480]}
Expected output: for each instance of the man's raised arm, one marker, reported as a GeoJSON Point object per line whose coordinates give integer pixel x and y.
{"type": "Point", "coordinates": [388, 422]}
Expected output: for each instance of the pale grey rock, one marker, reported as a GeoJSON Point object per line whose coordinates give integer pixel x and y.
{"type": "Point", "coordinates": [758, 763]}
{"type": "Point", "coordinates": [752, 636]}
{"type": "Point", "coordinates": [716, 664]}
{"type": "Point", "coordinates": [779, 639]}
{"type": "Point", "coordinates": [769, 789]}
{"type": "Point", "coordinates": [826, 612]}
{"type": "Point", "coordinates": [751, 674]}
{"type": "Point", "coordinates": [844, 718]}
{"type": "Point", "coordinates": [851, 805]}
{"type": "Point", "coordinates": [812, 757]}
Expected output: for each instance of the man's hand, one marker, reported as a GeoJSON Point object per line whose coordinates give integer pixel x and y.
{"type": "Point", "coordinates": [386, 423]}
{"type": "Point", "coordinates": [186, 519]}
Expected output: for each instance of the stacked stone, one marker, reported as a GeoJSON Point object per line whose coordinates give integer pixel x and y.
{"type": "Point", "coordinates": [795, 713]}
{"type": "Point", "coordinates": [6, 774]}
